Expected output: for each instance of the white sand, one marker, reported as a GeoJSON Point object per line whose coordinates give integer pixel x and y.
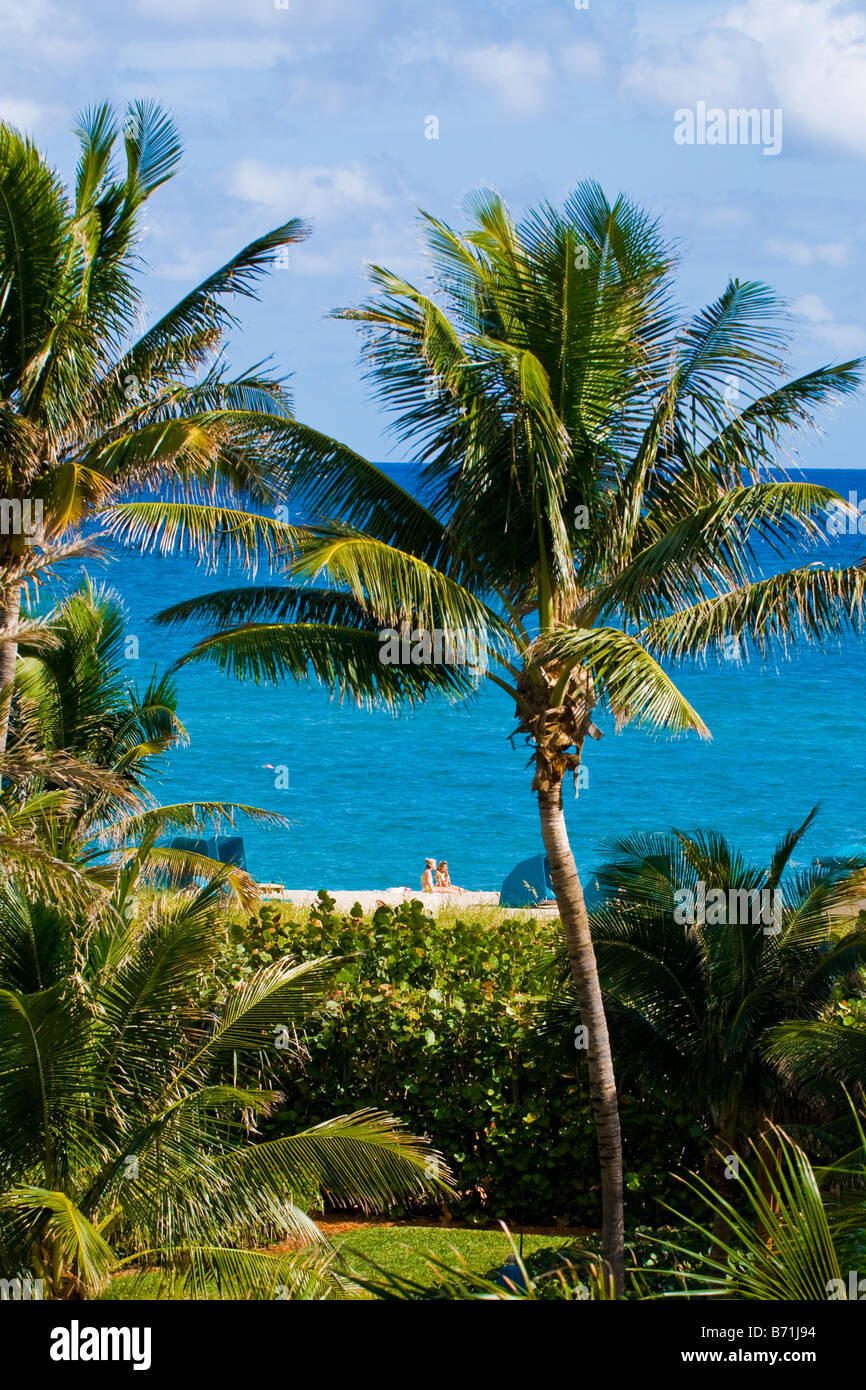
{"type": "Point", "coordinates": [371, 899]}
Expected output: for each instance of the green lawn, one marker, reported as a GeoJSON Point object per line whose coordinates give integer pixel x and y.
{"type": "Point", "coordinates": [394, 1249]}
{"type": "Point", "coordinates": [403, 1250]}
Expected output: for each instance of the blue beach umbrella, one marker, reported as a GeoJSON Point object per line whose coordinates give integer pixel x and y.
{"type": "Point", "coordinates": [529, 883]}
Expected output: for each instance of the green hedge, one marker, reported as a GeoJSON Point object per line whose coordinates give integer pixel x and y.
{"type": "Point", "coordinates": [439, 1020]}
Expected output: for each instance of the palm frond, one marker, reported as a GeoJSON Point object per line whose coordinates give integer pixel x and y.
{"type": "Point", "coordinates": [779, 613]}
{"type": "Point", "coordinates": [631, 683]}
{"type": "Point", "coordinates": [347, 659]}
{"type": "Point", "coordinates": [80, 1245]}
{"type": "Point", "coordinates": [210, 532]}
{"type": "Point", "coordinates": [364, 1160]}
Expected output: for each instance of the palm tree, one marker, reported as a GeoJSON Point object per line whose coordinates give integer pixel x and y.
{"type": "Point", "coordinates": [700, 1009]}
{"type": "Point", "coordinates": [84, 744]}
{"type": "Point", "coordinates": [92, 409]}
{"type": "Point", "coordinates": [593, 501]}
{"type": "Point", "coordinates": [125, 1141]}
{"type": "Point", "coordinates": [73, 693]}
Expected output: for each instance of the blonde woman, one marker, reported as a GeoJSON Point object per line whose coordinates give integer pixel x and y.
{"type": "Point", "coordinates": [427, 878]}
{"type": "Point", "coordinates": [443, 879]}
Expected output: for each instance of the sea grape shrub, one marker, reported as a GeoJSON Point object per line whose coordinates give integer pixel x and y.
{"type": "Point", "coordinates": [439, 1020]}
{"type": "Point", "coordinates": [850, 1012]}
{"type": "Point", "coordinates": [261, 941]}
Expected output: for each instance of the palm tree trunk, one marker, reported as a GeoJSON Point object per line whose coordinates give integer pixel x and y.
{"type": "Point", "coordinates": [10, 608]}
{"type": "Point", "coordinates": [584, 971]}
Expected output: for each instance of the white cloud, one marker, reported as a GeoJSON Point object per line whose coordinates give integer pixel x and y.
{"type": "Point", "coordinates": [717, 65]}
{"type": "Point", "coordinates": [835, 253]}
{"type": "Point", "coordinates": [806, 56]}
{"type": "Point", "coordinates": [24, 114]}
{"type": "Point", "coordinates": [419, 46]}
{"type": "Point", "coordinates": [363, 212]}
{"type": "Point", "coordinates": [724, 217]}
{"type": "Point", "coordinates": [261, 13]}
{"type": "Point", "coordinates": [813, 308]}
{"type": "Point", "coordinates": [189, 266]}
{"type": "Point", "coordinates": [843, 339]}
{"type": "Point", "coordinates": [519, 76]}
{"type": "Point", "coordinates": [27, 19]}
{"type": "Point", "coordinates": [583, 60]}
{"type": "Point", "coordinates": [319, 191]}
{"type": "Point", "coordinates": [352, 255]}
{"type": "Point", "coordinates": [815, 52]}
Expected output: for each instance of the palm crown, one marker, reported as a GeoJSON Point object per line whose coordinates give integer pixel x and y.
{"type": "Point", "coordinates": [93, 408]}
{"type": "Point", "coordinates": [700, 999]}
{"type": "Point", "coordinates": [583, 462]}
{"type": "Point", "coordinates": [125, 1141]}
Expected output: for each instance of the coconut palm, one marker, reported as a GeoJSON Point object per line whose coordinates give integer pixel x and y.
{"type": "Point", "coordinates": [124, 1140]}
{"type": "Point", "coordinates": [594, 498]}
{"type": "Point", "coordinates": [821, 1057]}
{"type": "Point", "coordinates": [74, 693]}
{"type": "Point", "coordinates": [84, 744]}
{"type": "Point", "coordinates": [92, 408]}
{"type": "Point", "coordinates": [704, 1003]}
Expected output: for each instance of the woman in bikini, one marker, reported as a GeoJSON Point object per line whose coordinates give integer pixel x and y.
{"type": "Point", "coordinates": [443, 879]}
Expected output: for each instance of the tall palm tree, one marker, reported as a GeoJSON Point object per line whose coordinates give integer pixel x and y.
{"type": "Point", "coordinates": [594, 497]}
{"type": "Point", "coordinates": [124, 1140]}
{"type": "Point", "coordinates": [92, 409]}
{"type": "Point", "coordinates": [699, 1008]}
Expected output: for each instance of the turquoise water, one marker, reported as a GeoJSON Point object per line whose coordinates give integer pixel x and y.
{"type": "Point", "coordinates": [371, 795]}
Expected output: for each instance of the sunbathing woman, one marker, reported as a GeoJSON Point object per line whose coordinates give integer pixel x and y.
{"type": "Point", "coordinates": [443, 879]}
{"type": "Point", "coordinates": [427, 882]}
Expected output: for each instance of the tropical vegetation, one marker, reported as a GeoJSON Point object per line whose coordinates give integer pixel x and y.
{"type": "Point", "coordinates": [454, 1023]}
{"type": "Point", "coordinates": [598, 496]}
{"type": "Point", "coordinates": [125, 1138]}
{"type": "Point", "coordinates": [722, 1012]}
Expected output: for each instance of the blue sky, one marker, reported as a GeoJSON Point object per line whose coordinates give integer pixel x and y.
{"type": "Point", "coordinates": [318, 110]}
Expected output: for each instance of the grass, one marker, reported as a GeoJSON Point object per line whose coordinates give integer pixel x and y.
{"type": "Point", "coordinates": [404, 1249]}
{"type": "Point", "coordinates": [394, 1249]}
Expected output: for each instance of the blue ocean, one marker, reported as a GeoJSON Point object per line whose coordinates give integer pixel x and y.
{"type": "Point", "coordinates": [370, 795]}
